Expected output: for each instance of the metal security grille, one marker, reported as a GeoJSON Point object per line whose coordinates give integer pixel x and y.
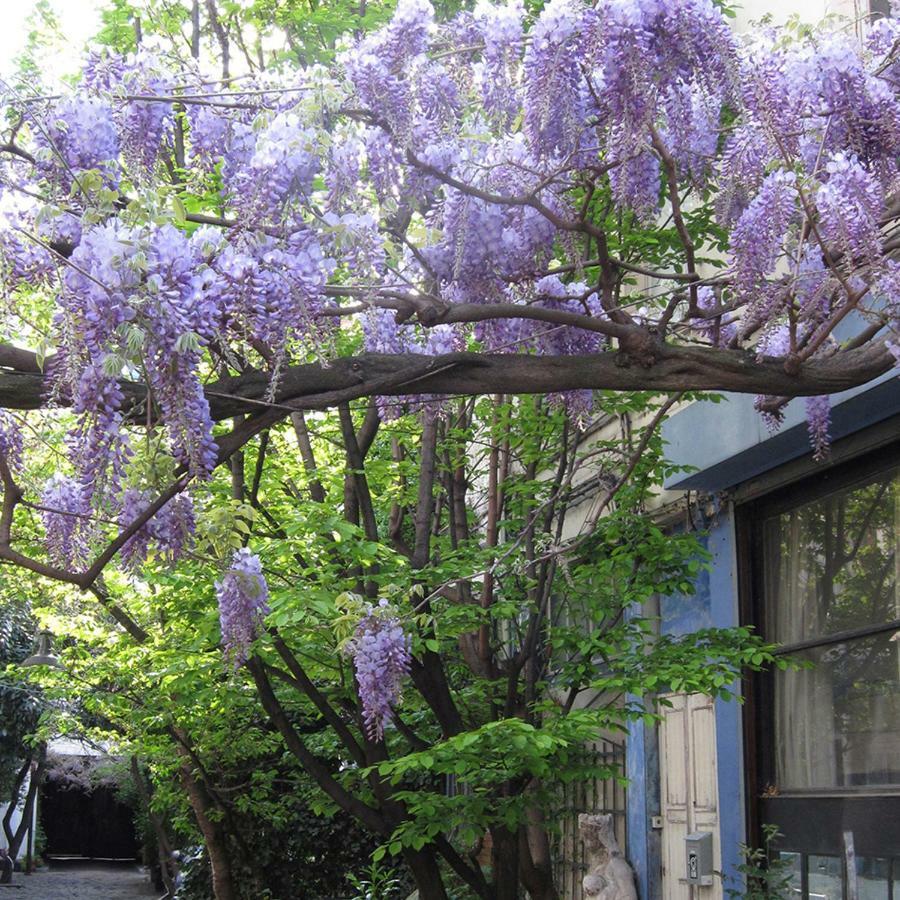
{"type": "Point", "coordinates": [596, 797]}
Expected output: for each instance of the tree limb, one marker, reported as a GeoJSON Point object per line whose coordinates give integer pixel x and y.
{"type": "Point", "coordinates": [663, 368]}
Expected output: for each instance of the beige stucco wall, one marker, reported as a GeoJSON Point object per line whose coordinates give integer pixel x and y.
{"type": "Point", "coordinates": [811, 11]}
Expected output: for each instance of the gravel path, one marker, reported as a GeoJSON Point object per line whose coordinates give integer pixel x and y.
{"type": "Point", "coordinates": [86, 881]}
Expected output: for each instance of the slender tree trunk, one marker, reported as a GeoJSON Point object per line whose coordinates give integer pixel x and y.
{"type": "Point", "coordinates": [163, 844]}
{"type": "Point", "coordinates": [221, 36]}
{"type": "Point", "coordinates": [213, 835]}
{"type": "Point", "coordinates": [237, 469]}
{"type": "Point", "coordinates": [535, 865]}
{"type": "Point", "coordinates": [36, 769]}
{"type": "Point", "coordinates": [195, 29]}
{"type": "Point", "coordinates": [16, 792]}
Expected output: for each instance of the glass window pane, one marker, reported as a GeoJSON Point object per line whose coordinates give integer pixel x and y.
{"type": "Point", "coordinates": [792, 872]}
{"type": "Point", "coordinates": [825, 878]}
{"type": "Point", "coordinates": [837, 723]}
{"type": "Point", "coordinates": [831, 564]}
{"type": "Point", "coordinates": [873, 877]}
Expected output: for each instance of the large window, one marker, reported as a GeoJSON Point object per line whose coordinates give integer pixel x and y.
{"type": "Point", "coordinates": [826, 736]}
{"type": "Point", "coordinates": [833, 602]}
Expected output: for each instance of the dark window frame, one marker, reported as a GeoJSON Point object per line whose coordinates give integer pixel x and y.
{"type": "Point", "coordinates": [879, 804]}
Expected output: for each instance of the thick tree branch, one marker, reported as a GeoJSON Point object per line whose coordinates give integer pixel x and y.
{"type": "Point", "coordinates": [663, 367]}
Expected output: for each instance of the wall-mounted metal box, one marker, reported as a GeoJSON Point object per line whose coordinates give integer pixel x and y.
{"type": "Point", "coordinates": [699, 857]}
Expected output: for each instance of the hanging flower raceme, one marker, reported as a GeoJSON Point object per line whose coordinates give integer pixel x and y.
{"type": "Point", "coordinates": [380, 64]}
{"type": "Point", "coordinates": [77, 134]}
{"type": "Point", "coordinates": [818, 421]}
{"type": "Point", "coordinates": [635, 184]}
{"type": "Point", "coordinates": [381, 659]}
{"type": "Point", "coordinates": [850, 206]}
{"type": "Point", "coordinates": [555, 99]}
{"type": "Point", "coordinates": [500, 28]}
{"type": "Point", "coordinates": [64, 511]}
{"type": "Point", "coordinates": [243, 604]}
{"type": "Point", "coordinates": [142, 123]}
{"type": "Point", "coordinates": [169, 532]}
{"type": "Point", "coordinates": [134, 551]}
{"type": "Point", "coordinates": [757, 241]}
{"type": "Point", "coordinates": [173, 527]}
{"type": "Point", "coordinates": [10, 442]}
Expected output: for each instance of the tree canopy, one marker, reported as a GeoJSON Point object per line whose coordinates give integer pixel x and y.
{"type": "Point", "coordinates": [618, 196]}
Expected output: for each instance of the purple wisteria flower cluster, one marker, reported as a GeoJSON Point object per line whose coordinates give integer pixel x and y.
{"type": "Point", "coordinates": [11, 443]}
{"type": "Point", "coordinates": [66, 521]}
{"type": "Point", "coordinates": [381, 658]}
{"type": "Point", "coordinates": [243, 596]}
{"type": "Point", "coordinates": [76, 135]}
{"type": "Point", "coordinates": [170, 532]}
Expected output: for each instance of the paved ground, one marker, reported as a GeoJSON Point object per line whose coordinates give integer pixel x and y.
{"type": "Point", "coordinates": [86, 881]}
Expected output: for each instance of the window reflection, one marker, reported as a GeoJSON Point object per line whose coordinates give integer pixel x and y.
{"type": "Point", "coordinates": [825, 878]}
{"type": "Point", "coordinates": [831, 567]}
{"type": "Point", "coordinates": [794, 873]}
{"type": "Point", "coordinates": [838, 722]}
{"type": "Point", "coordinates": [831, 564]}
{"type": "Point", "coordinates": [873, 878]}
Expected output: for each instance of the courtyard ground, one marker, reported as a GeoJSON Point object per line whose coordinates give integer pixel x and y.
{"type": "Point", "coordinates": [84, 881]}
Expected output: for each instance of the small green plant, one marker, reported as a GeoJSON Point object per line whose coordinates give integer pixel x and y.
{"type": "Point", "coordinates": [766, 876]}
{"type": "Point", "coordinates": [377, 883]}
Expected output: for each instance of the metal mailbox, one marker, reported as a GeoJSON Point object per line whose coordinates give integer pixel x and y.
{"type": "Point", "coordinates": [699, 857]}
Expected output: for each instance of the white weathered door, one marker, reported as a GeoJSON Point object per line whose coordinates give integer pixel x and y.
{"type": "Point", "coordinates": [689, 791]}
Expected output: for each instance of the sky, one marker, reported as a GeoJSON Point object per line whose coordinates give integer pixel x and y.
{"type": "Point", "coordinates": [79, 19]}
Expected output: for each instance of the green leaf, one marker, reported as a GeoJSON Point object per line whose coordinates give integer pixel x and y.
{"type": "Point", "coordinates": [180, 211]}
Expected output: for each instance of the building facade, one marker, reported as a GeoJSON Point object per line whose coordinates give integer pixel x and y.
{"type": "Point", "coordinates": [807, 553]}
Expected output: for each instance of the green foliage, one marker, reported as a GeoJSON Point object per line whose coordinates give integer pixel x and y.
{"type": "Point", "coordinates": [576, 654]}
{"type": "Point", "coordinates": [117, 29]}
{"type": "Point", "coordinates": [21, 704]}
{"type": "Point", "coordinates": [262, 34]}
{"type": "Point", "coordinates": [766, 875]}
{"type": "Point", "coordinates": [375, 883]}
{"type": "Point", "coordinates": [44, 34]}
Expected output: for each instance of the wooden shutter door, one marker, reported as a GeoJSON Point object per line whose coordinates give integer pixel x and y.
{"type": "Point", "coordinates": [689, 792]}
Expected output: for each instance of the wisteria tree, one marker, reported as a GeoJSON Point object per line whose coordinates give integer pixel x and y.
{"type": "Point", "coordinates": [592, 198]}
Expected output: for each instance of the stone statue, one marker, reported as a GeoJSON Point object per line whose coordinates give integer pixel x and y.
{"type": "Point", "coordinates": [609, 876]}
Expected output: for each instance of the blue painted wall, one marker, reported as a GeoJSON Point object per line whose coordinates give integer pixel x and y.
{"type": "Point", "coordinates": [728, 442]}
{"type": "Point", "coordinates": [723, 591]}
{"type": "Point", "coordinates": [642, 802]}
{"type": "Point", "coordinates": [714, 604]}
{"type": "Point", "coordinates": [681, 614]}
{"type": "Point", "coordinates": [637, 770]}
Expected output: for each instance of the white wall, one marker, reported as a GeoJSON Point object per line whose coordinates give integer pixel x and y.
{"type": "Point", "coordinates": [810, 11]}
